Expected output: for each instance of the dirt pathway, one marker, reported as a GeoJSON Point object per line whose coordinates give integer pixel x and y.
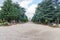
{"type": "Point", "coordinates": [29, 31]}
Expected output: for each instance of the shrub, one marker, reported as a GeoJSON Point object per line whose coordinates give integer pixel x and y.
{"type": "Point", "coordinates": [5, 24]}
{"type": "Point", "coordinates": [1, 21]}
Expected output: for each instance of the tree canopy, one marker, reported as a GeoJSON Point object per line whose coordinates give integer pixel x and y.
{"type": "Point", "coordinates": [47, 11]}
{"type": "Point", "coordinates": [12, 11]}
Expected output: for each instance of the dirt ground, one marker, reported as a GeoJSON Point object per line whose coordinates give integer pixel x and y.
{"type": "Point", "coordinates": [29, 31]}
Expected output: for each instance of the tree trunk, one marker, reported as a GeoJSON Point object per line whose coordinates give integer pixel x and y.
{"type": "Point", "coordinates": [57, 21]}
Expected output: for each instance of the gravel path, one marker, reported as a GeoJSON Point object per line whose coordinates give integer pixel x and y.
{"type": "Point", "coordinates": [29, 31]}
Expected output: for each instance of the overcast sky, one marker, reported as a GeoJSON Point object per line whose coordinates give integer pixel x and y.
{"type": "Point", "coordinates": [29, 5]}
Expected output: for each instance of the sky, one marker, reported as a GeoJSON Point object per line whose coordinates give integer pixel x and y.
{"type": "Point", "coordinates": [29, 5]}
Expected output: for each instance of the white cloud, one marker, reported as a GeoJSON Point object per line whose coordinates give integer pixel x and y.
{"type": "Point", "coordinates": [25, 3]}
{"type": "Point", "coordinates": [16, 0]}
{"type": "Point", "coordinates": [1, 5]}
{"type": "Point", "coordinates": [31, 10]}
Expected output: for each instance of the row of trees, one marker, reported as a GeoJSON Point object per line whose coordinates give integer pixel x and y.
{"type": "Point", "coordinates": [48, 11]}
{"type": "Point", "coordinates": [12, 11]}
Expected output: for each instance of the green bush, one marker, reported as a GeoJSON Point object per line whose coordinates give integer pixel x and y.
{"type": "Point", "coordinates": [5, 23]}
{"type": "Point", "coordinates": [1, 21]}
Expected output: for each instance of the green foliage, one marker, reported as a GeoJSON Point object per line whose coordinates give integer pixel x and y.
{"type": "Point", "coordinates": [5, 23]}
{"type": "Point", "coordinates": [12, 11]}
{"type": "Point", "coordinates": [46, 12]}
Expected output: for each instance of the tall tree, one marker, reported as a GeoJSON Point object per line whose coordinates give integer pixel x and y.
{"type": "Point", "coordinates": [57, 10]}
{"type": "Point", "coordinates": [12, 11]}
{"type": "Point", "coordinates": [44, 12]}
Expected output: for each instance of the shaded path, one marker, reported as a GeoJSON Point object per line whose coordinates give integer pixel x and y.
{"type": "Point", "coordinates": [29, 31]}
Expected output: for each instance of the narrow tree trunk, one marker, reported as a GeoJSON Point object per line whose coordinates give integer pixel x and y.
{"type": "Point", "coordinates": [57, 21]}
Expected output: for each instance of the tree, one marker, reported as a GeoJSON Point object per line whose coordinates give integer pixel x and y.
{"type": "Point", "coordinates": [12, 11]}
{"type": "Point", "coordinates": [44, 12]}
{"type": "Point", "coordinates": [21, 13]}
{"type": "Point", "coordinates": [57, 10]}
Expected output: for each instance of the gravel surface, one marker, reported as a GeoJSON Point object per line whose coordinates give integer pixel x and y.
{"type": "Point", "coordinates": [29, 31]}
